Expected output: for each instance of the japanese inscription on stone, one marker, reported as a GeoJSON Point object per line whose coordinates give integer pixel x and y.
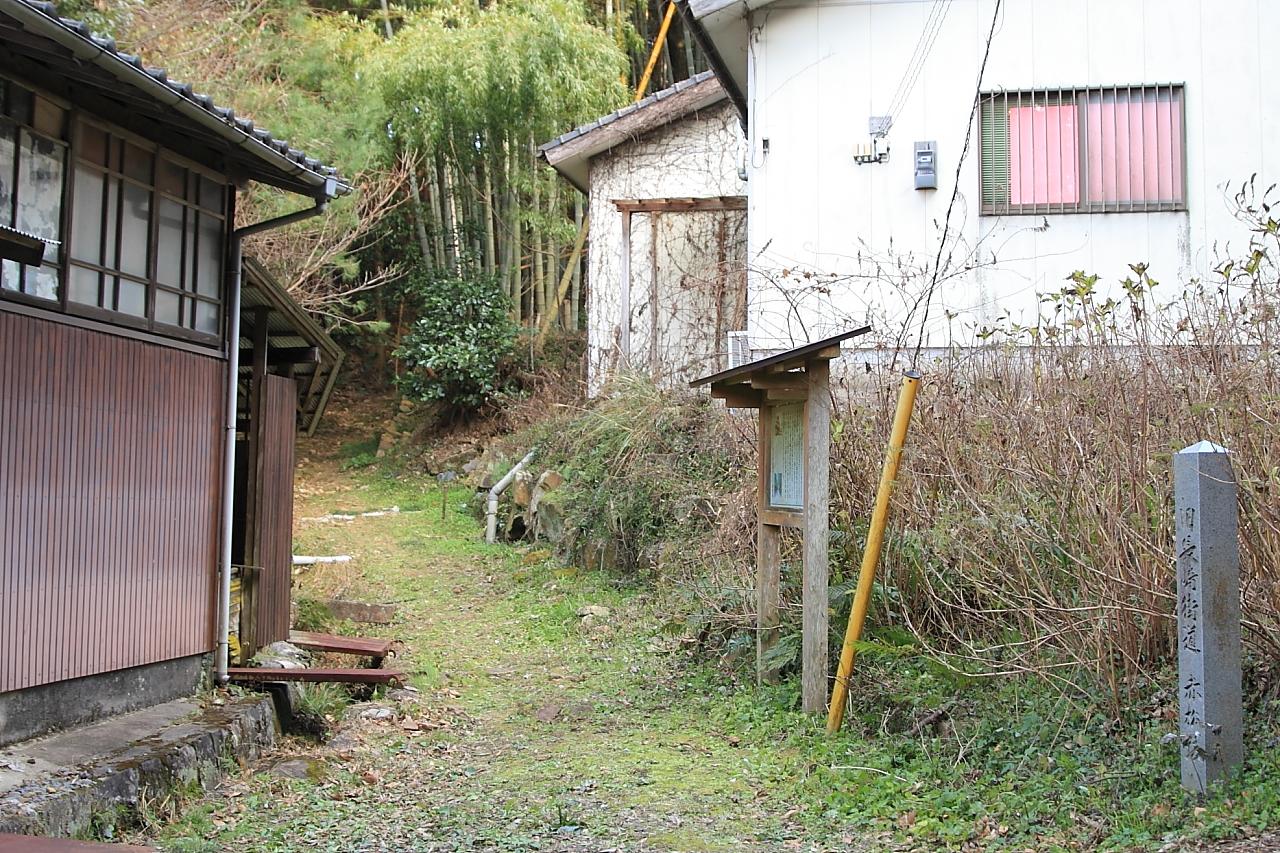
{"type": "Point", "coordinates": [1208, 613]}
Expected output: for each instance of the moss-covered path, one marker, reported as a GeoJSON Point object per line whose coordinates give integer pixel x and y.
{"type": "Point", "coordinates": [550, 715]}
{"type": "Point", "coordinates": [551, 712]}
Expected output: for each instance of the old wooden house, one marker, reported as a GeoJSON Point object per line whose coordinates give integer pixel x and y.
{"type": "Point", "coordinates": [152, 380]}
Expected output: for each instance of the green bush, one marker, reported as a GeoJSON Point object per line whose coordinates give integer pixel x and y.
{"type": "Point", "coordinates": [459, 349]}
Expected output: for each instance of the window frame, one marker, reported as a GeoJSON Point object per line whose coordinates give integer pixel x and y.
{"type": "Point", "coordinates": [63, 220]}
{"type": "Point", "coordinates": [147, 323]}
{"type": "Point", "coordinates": [1079, 97]}
{"type": "Point", "coordinates": [96, 317]}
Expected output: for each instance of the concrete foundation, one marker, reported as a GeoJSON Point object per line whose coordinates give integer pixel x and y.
{"type": "Point", "coordinates": [89, 781]}
{"type": "Point", "coordinates": [47, 708]}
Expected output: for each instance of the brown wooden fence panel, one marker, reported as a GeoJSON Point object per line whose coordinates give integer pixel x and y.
{"type": "Point", "coordinates": [110, 466]}
{"type": "Point", "coordinates": [273, 532]}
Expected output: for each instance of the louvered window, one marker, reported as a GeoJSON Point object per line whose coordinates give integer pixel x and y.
{"type": "Point", "coordinates": [1113, 149]}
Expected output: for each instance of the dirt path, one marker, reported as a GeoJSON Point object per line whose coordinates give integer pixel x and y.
{"type": "Point", "coordinates": [551, 716]}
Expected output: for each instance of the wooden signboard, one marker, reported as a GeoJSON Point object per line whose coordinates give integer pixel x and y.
{"type": "Point", "coordinates": [786, 456]}
{"type": "Point", "coordinates": [791, 391]}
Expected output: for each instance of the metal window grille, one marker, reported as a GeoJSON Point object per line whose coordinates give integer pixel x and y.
{"type": "Point", "coordinates": [1110, 149]}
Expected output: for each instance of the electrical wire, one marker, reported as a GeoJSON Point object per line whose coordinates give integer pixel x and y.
{"type": "Point", "coordinates": [915, 53]}
{"type": "Point", "coordinates": [955, 188]}
{"type": "Point", "coordinates": [919, 56]}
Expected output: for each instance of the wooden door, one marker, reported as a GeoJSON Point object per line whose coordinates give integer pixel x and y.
{"type": "Point", "coordinates": [265, 614]}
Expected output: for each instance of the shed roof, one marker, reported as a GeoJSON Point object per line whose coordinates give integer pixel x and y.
{"type": "Point", "coordinates": [289, 327]}
{"type": "Point", "coordinates": [781, 362]}
{"type": "Point", "coordinates": [64, 56]}
{"type": "Point", "coordinates": [20, 246]}
{"type": "Point", "coordinates": [570, 154]}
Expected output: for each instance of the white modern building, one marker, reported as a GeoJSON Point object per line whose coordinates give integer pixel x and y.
{"type": "Point", "coordinates": [1101, 133]}
{"type": "Point", "coordinates": [667, 252]}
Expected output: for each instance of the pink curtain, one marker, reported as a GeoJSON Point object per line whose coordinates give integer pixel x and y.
{"type": "Point", "coordinates": [1134, 147]}
{"type": "Point", "coordinates": [1044, 157]}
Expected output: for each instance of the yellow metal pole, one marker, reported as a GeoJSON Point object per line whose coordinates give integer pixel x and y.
{"type": "Point", "coordinates": [871, 556]}
{"type": "Point", "coordinates": [657, 50]}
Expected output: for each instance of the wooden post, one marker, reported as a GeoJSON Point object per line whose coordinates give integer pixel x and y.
{"type": "Point", "coordinates": [768, 561]}
{"type": "Point", "coordinates": [817, 452]}
{"type": "Point", "coordinates": [655, 357]}
{"type": "Point", "coordinates": [624, 327]}
{"type": "Point", "coordinates": [792, 392]}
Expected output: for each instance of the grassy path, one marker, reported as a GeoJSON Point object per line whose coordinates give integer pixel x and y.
{"type": "Point", "coordinates": [551, 713]}
{"type": "Point", "coordinates": [538, 729]}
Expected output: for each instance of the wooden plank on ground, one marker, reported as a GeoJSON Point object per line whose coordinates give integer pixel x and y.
{"type": "Point", "coordinates": [356, 675]}
{"type": "Point", "coordinates": [369, 647]}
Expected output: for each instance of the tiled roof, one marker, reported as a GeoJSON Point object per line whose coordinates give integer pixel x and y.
{"type": "Point", "coordinates": [253, 135]}
{"type": "Point", "coordinates": [628, 110]}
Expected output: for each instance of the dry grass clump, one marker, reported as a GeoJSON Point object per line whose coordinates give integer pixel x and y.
{"type": "Point", "coordinates": [1032, 524]}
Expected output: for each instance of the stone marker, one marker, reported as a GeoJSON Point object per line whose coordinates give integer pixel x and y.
{"type": "Point", "coordinates": [1210, 719]}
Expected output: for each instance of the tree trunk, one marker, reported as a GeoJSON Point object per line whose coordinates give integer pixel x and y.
{"type": "Point", "coordinates": [555, 213]}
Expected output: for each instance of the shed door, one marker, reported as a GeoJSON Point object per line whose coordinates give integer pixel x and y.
{"type": "Point", "coordinates": [695, 293]}
{"type": "Point", "coordinates": [265, 616]}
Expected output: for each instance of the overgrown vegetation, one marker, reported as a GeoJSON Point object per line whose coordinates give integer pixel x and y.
{"type": "Point", "coordinates": [1031, 526]}
{"type": "Point", "coordinates": [642, 745]}
{"type": "Point", "coordinates": [646, 470]}
{"type": "Point", "coordinates": [433, 111]}
{"type": "Point", "coordinates": [457, 353]}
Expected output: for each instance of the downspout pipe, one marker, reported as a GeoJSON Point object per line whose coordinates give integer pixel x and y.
{"type": "Point", "coordinates": [491, 516]}
{"type": "Point", "coordinates": [229, 446]}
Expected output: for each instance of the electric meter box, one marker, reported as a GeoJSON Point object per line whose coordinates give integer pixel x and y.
{"type": "Point", "coordinates": [926, 165]}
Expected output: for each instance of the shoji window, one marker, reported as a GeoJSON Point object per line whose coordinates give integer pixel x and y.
{"type": "Point", "coordinates": [1110, 149]}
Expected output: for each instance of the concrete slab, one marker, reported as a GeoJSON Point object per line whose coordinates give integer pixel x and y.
{"type": "Point", "coordinates": [21, 762]}
{"type": "Point", "coordinates": [93, 778]}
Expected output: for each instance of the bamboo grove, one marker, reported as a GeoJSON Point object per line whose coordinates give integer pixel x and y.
{"type": "Point", "coordinates": [472, 93]}
{"type": "Point", "coordinates": [435, 111]}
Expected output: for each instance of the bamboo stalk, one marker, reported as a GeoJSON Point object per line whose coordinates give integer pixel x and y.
{"type": "Point", "coordinates": [871, 555]}
{"type": "Point", "coordinates": [538, 296]}
{"type": "Point", "coordinates": [490, 243]}
{"type": "Point", "coordinates": [565, 281]}
{"type": "Point", "coordinates": [437, 220]}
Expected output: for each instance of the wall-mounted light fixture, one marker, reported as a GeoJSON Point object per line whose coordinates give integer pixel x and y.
{"type": "Point", "coordinates": [878, 150]}
{"type": "Point", "coordinates": [865, 154]}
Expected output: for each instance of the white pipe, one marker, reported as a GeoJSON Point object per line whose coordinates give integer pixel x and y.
{"type": "Point", "coordinates": [302, 560]}
{"type": "Point", "coordinates": [229, 445]}
{"type": "Point", "coordinates": [491, 518]}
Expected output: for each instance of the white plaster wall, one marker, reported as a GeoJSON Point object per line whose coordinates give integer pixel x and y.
{"type": "Point", "coordinates": [698, 156]}
{"type": "Point", "coordinates": [863, 234]}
